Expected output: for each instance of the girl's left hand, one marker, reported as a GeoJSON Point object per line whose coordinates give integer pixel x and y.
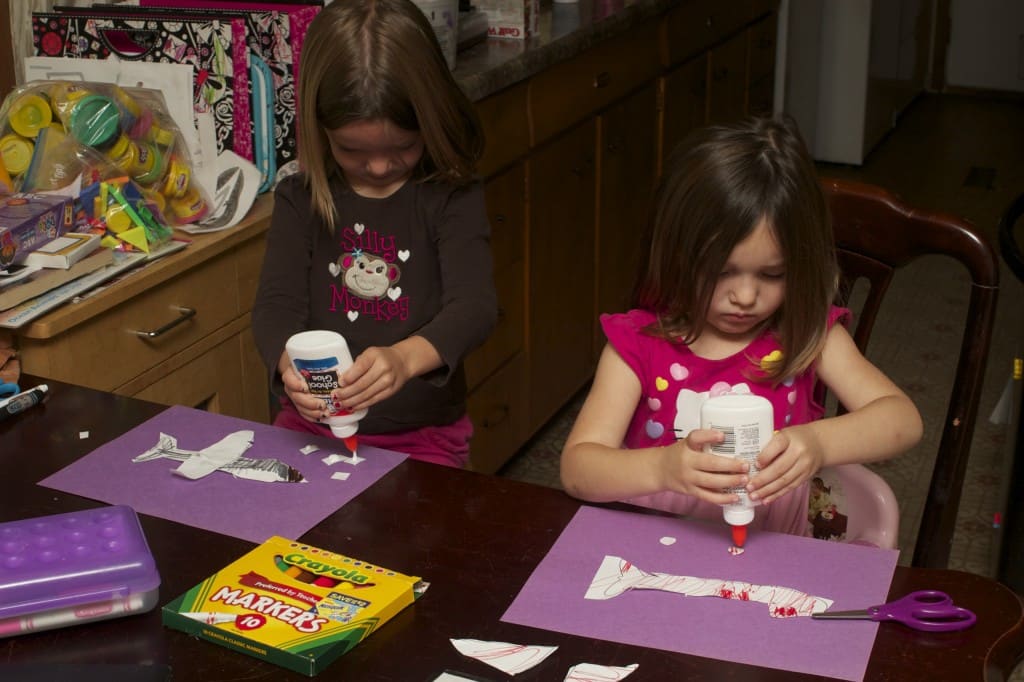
{"type": "Point", "coordinates": [791, 457]}
{"type": "Point", "coordinates": [378, 373]}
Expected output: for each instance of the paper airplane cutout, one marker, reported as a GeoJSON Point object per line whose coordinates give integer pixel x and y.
{"type": "Point", "coordinates": [224, 455]}
{"type": "Point", "coordinates": [616, 575]}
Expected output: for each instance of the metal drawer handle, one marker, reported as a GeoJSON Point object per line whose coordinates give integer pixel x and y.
{"type": "Point", "coordinates": [184, 314]}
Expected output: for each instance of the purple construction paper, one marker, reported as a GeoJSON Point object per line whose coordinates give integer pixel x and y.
{"type": "Point", "coordinates": [855, 577]}
{"type": "Point", "coordinates": [251, 510]}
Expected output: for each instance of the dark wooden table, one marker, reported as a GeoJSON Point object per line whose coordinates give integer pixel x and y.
{"type": "Point", "coordinates": [477, 537]}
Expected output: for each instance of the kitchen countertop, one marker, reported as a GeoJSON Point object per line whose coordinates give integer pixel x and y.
{"type": "Point", "coordinates": [565, 30]}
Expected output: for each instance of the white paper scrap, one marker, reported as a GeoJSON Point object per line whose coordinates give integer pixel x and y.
{"type": "Point", "coordinates": [213, 457]}
{"type": "Point", "coordinates": [592, 672]}
{"type": "Point", "coordinates": [333, 459]}
{"type": "Point", "coordinates": [508, 658]}
{"type": "Point", "coordinates": [307, 449]}
{"type": "Point", "coordinates": [340, 476]}
{"type": "Point", "coordinates": [355, 459]}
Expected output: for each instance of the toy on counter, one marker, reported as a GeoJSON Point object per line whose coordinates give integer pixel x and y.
{"type": "Point", "coordinates": [126, 216]}
{"type": "Point", "coordinates": [55, 132]}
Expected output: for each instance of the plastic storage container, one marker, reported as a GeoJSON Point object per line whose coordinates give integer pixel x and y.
{"type": "Point", "coordinates": [74, 568]}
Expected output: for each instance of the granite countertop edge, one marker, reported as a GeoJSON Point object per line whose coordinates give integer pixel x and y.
{"type": "Point", "coordinates": [496, 64]}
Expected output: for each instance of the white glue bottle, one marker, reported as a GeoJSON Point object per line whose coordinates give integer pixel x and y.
{"type": "Point", "coordinates": [748, 423]}
{"type": "Point", "coordinates": [320, 357]}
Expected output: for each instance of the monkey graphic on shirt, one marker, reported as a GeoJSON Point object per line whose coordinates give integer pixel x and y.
{"type": "Point", "coordinates": [366, 275]}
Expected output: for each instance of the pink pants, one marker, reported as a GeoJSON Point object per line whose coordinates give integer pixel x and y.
{"type": "Point", "coordinates": [446, 445]}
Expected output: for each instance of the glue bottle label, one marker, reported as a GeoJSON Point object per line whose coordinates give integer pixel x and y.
{"type": "Point", "coordinates": [321, 375]}
{"type": "Point", "coordinates": [742, 441]}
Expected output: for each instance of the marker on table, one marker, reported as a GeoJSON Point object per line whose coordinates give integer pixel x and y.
{"type": "Point", "coordinates": [22, 401]}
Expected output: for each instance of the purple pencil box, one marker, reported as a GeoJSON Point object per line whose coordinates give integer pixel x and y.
{"type": "Point", "coordinates": [68, 569]}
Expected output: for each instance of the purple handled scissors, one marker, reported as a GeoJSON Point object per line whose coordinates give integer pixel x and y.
{"type": "Point", "coordinates": [928, 610]}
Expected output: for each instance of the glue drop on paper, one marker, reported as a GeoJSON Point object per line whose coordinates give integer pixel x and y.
{"type": "Point", "coordinates": [320, 357]}
{"type": "Point", "coordinates": [748, 423]}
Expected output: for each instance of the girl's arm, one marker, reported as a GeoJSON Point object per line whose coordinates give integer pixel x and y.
{"type": "Point", "coordinates": [881, 423]}
{"type": "Point", "coordinates": [595, 466]}
{"type": "Point", "coordinates": [469, 302]}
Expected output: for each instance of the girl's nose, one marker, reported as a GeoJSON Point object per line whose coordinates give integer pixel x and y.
{"type": "Point", "coordinates": [379, 166]}
{"type": "Point", "coordinates": [744, 293]}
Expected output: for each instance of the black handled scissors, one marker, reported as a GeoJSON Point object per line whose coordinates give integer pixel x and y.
{"type": "Point", "coordinates": [928, 610]}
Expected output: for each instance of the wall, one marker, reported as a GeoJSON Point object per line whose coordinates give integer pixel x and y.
{"type": "Point", "coordinates": [986, 45]}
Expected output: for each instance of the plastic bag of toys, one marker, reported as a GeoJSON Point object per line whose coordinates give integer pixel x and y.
{"type": "Point", "coordinates": [116, 148]}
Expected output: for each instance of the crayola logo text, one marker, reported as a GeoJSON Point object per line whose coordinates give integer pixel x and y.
{"type": "Point", "coordinates": [326, 569]}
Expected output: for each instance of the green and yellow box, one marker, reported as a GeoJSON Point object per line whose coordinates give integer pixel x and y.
{"type": "Point", "coordinates": [292, 604]}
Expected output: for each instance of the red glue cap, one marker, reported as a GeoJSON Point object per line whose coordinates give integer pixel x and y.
{"type": "Point", "coordinates": [739, 535]}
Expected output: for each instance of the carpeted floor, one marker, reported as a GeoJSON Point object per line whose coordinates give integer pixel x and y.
{"type": "Point", "coordinates": [951, 153]}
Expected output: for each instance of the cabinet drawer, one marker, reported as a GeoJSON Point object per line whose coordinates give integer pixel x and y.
{"type": "Point", "coordinates": [504, 121]}
{"type": "Point", "coordinates": [694, 27]}
{"type": "Point", "coordinates": [508, 336]}
{"type": "Point", "coordinates": [498, 410]}
{"type": "Point", "coordinates": [567, 93]}
{"type": "Point", "coordinates": [212, 381]}
{"type": "Point", "coordinates": [107, 350]}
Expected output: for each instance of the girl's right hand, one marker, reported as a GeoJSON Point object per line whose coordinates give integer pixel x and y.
{"type": "Point", "coordinates": [306, 404]}
{"type": "Point", "coordinates": [686, 468]}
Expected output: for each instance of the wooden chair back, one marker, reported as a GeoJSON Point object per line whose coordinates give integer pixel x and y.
{"type": "Point", "coordinates": [876, 234]}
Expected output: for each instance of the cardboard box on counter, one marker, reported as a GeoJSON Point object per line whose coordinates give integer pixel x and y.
{"type": "Point", "coordinates": [515, 19]}
{"type": "Point", "coordinates": [27, 221]}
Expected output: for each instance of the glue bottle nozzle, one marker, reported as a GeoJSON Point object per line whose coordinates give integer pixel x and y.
{"type": "Point", "coordinates": [739, 535]}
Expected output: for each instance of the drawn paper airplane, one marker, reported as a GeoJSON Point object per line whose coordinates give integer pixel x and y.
{"type": "Point", "coordinates": [224, 455]}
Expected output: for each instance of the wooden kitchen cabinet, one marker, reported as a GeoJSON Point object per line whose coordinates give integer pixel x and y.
{"type": "Point", "coordinates": [495, 372]}
{"type": "Point", "coordinates": [600, 124]}
{"type": "Point", "coordinates": [628, 164]}
{"type": "Point", "coordinates": [684, 92]}
{"type": "Point", "coordinates": [561, 270]}
{"type": "Point", "coordinates": [205, 358]}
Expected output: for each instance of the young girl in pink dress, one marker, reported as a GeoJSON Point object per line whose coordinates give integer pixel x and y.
{"type": "Point", "coordinates": [735, 296]}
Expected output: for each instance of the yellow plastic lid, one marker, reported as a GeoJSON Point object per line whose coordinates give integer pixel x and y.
{"type": "Point", "coordinates": [118, 220]}
{"type": "Point", "coordinates": [16, 152]}
{"type": "Point", "coordinates": [119, 147]}
{"type": "Point", "coordinates": [29, 114]}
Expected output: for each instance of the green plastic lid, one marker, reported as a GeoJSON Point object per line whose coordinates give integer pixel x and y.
{"type": "Point", "coordinates": [95, 120]}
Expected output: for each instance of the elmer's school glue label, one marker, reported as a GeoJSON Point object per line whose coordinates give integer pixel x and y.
{"type": "Point", "coordinates": [748, 422]}
{"type": "Point", "coordinates": [320, 357]}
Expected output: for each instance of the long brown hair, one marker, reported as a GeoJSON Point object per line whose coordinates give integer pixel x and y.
{"type": "Point", "coordinates": [380, 59]}
{"type": "Point", "coordinates": [719, 184]}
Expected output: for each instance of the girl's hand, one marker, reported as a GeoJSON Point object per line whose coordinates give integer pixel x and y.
{"type": "Point", "coordinates": [791, 457]}
{"type": "Point", "coordinates": [378, 373]}
{"type": "Point", "coordinates": [686, 468]}
{"type": "Point", "coordinates": [306, 404]}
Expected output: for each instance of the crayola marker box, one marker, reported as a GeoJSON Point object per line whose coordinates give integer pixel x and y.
{"type": "Point", "coordinates": [292, 604]}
